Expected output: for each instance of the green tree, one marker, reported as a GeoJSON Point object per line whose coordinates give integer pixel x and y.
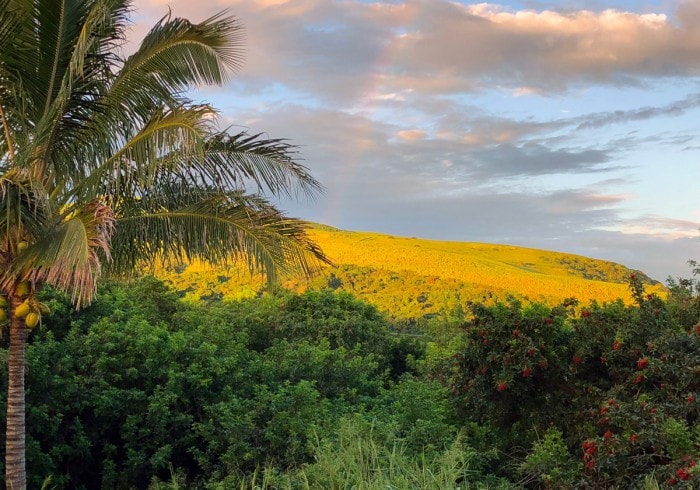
{"type": "Point", "coordinates": [105, 164]}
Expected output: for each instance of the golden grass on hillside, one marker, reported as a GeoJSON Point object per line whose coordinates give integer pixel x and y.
{"type": "Point", "coordinates": [529, 271]}
{"type": "Point", "coordinates": [409, 277]}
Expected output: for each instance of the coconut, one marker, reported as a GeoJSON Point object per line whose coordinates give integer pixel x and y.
{"type": "Point", "coordinates": [32, 319]}
{"type": "Point", "coordinates": [23, 310]}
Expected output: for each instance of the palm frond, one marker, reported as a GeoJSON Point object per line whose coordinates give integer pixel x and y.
{"type": "Point", "coordinates": [177, 55]}
{"type": "Point", "coordinates": [69, 255]}
{"type": "Point", "coordinates": [24, 209]}
{"type": "Point", "coordinates": [136, 161]}
{"type": "Point", "coordinates": [217, 228]}
{"type": "Point", "coordinates": [268, 163]}
{"type": "Point", "coordinates": [19, 56]}
{"type": "Point", "coordinates": [70, 42]}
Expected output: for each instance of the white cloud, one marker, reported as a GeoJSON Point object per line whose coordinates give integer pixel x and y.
{"type": "Point", "coordinates": [332, 48]}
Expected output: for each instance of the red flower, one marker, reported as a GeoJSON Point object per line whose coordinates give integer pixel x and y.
{"type": "Point", "coordinates": [639, 379]}
{"type": "Point", "coordinates": [527, 372]}
{"type": "Point", "coordinates": [486, 342]}
{"type": "Point", "coordinates": [697, 329]}
{"type": "Point", "coordinates": [577, 359]}
{"type": "Point", "coordinates": [603, 359]}
{"type": "Point", "coordinates": [548, 321]}
{"type": "Point", "coordinates": [672, 481]}
{"type": "Point", "coordinates": [590, 464]}
{"type": "Point", "coordinates": [616, 345]}
{"type": "Point", "coordinates": [588, 448]}
{"type": "Point", "coordinates": [683, 474]}
{"type": "Point", "coordinates": [531, 352]}
{"type": "Point", "coordinates": [642, 363]}
{"type": "Point", "coordinates": [691, 399]}
{"type": "Point", "coordinates": [516, 332]}
{"type": "Point", "coordinates": [586, 314]}
{"type": "Point", "coordinates": [633, 438]}
{"type": "Point", "coordinates": [609, 436]}
{"type": "Point", "coordinates": [502, 386]}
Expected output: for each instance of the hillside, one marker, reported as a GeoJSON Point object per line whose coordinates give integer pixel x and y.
{"type": "Point", "coordinates": [410, 278]}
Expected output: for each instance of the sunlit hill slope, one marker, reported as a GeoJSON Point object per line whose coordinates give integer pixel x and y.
{"type": "Point", "coordinates": [413, 278]}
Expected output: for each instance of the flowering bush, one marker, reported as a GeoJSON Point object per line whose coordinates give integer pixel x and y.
{"type": "Point", "coordinates": [513, 361]}
{"type": "Point", "coordinates": [620, 382]}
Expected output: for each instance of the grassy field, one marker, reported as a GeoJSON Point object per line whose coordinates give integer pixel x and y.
{"type": "Point", "coordinates": [411, 278]}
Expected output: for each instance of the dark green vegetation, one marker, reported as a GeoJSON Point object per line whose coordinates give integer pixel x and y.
{"type": "Point", "coordinates": [318, 390]}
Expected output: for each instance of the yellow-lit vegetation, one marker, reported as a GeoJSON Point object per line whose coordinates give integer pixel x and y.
{"type": "Point", "coordinates": [413, 278]}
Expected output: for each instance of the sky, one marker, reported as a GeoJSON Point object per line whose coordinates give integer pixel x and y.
{"type": "Point", "coordinates": [568, 125]}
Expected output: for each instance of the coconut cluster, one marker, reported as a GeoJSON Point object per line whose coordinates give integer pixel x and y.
{"type": "Point", "coordinates": [30, 309]}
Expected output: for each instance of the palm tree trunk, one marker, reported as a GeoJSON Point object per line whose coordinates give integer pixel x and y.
{"type": "Point", "coordinates": [15, 459]}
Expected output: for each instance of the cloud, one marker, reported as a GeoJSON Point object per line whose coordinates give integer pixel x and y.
{"type": "Point", "coordinates": [411, 134]}
{"type": "Point", "coordinates": [662, 226]}
{"type": "Point", "coordinates": [615, 117]}
{"type": "Point", "coordinates": [342, 50]}
{"type": "Point", "coordinates": [535, 159]}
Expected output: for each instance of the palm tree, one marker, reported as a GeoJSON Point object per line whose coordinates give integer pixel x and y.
{"type": "Point", "coordinates": [105, 164]}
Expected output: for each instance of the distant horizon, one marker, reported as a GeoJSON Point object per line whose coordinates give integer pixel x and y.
{"type": "Point", "coordinates": [560, 125]}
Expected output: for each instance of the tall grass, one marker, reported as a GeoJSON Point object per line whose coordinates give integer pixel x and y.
{"type": "Point", "coordinates": [362, 459]}
{"type": "Point", "coordinates": [359, 458]}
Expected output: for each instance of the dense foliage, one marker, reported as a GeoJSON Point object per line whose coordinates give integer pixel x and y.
{"type": "Point", "coordinates": [317, 390]}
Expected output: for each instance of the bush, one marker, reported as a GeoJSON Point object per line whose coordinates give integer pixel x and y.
{"type": "Point", "coordinates": [619, 383]}
{"type": "Point", "coordinates": [141, 386]}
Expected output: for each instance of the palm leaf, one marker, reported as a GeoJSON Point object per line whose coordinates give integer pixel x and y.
{"type": "Point", "coordinates": [268, 163]}
{"type": "Point", "coordinates": [175, 56]}
{"type": "Point", "coordinates": [136, 159]}
{"type": "Point", "coordinates": [217, 228]}
{"type": "Point", "coordinates": [69, 255]}
{"type": "Point", "coordinates": [24, 210]}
